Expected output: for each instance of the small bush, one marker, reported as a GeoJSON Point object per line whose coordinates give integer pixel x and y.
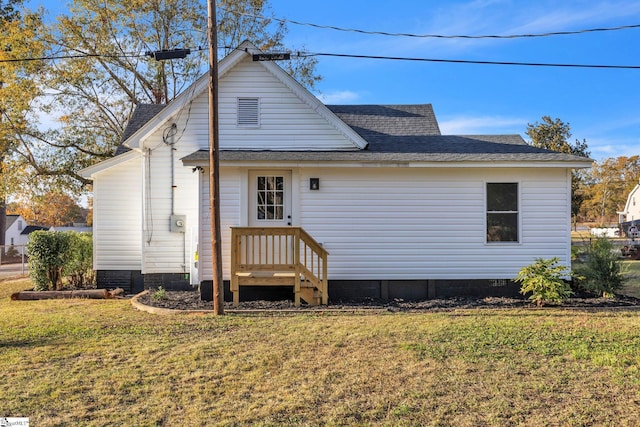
{"type": "Point", "coordinates": [543, 279]}
{"type": "Point", "coordinates": [56, 255]}
{"type": "Point", "coordinates": [159, 295]}
{"type": "Point", "coordinates": [48, 253]}
{"type": "Point", "coordinates": [79, 265]}
{"type": "Point", "coordinates": [602, 271]}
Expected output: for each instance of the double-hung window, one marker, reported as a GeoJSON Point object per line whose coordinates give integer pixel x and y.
{"type": "Point", "coordinates": [502, 212]}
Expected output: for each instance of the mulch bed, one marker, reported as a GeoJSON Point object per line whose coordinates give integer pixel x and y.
{"type": "Point", "coordinates": [186, 300]}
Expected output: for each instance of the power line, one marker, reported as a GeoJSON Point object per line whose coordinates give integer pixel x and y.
{"type": "Point", "coordinates": [464, 61]}
{"type": "Point", "coordinates": [78, 56]}
{"type": "Point", "coordinates": [344, 55]}
{"type": "Point", "coordinates": [99, 55]}
{"type": "Point", "coordinates": [437, 36]}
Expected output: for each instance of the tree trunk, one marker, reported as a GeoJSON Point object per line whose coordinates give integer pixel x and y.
{"type": "Point", "coordinates": [81, 293]}
{"type": "Point", "coordinates": [3, 220]}
{"type": "Point", "coordinates": [3, 210]}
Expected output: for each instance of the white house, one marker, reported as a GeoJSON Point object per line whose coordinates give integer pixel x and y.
{"type": "Point", "coordinates": [632, 207]}
{"type": "Point", "coordinates": [402, 210]}
{"type": "Point", "coordinates": [630, 216]}
{"type": "Point", "coordinates": [14, 233]}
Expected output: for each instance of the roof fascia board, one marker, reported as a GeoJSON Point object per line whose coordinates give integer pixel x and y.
{"type": "Point", "coordinates": [90, 171]}
{"type": "Point", "coordinates": [379, 164]}
{"type": "Point", "coordinates": [167, 114]}
{"type": "Point", "coordinates": [627, 205]}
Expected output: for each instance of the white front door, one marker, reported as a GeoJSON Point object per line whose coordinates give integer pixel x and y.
{"type": "Point", "coordinates": [270, 198]}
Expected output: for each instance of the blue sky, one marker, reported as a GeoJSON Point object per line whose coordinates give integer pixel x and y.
{"type": "Point", "coordinates": [601, 105]}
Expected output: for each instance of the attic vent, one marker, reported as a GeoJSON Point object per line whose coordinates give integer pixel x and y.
{"type": "Point", "coordinates": [248, 112]}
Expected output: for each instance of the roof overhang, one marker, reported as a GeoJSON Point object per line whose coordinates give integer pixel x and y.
{"type": "Point", "coordinates": [90, 171]}
{"type": "Point", "coordinates": [373, 159]}
{"type": "Point", "coordinates": [242, 52]}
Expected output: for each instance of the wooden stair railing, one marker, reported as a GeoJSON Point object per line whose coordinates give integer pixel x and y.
{"type": "Point", "coordinates": [279, 256]}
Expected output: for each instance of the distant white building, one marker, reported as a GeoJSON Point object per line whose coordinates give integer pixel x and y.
{"type": "Point", "coordinates": [16, 224]}
{"type": "Point", "coordinates": [631, 210]}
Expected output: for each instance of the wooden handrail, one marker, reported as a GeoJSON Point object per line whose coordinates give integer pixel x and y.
{"type": "Point", "coordinates": [279, 250]}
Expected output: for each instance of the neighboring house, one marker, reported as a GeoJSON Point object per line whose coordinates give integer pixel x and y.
{"type": "Point", "coordinates": [14, 236]}
{"type": "Point", "coordinates": [631, 213]}
{"type": "Point", "coordinates": [17, 233]}
{"type": "Point", "coordinates": [403, 211]}
{"type": "Point", "coordinates": [632, 207]}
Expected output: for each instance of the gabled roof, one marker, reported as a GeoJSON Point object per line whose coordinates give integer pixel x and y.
{"type": "Point", "coordinates": [630, 196]}
{"type": "Point", "coordinates": [242, 52]}
{"type": "Point", "coordinates": [10, 220]}
{"type": "Point", "coordinates": [31, 228]}
{"type": "Point", "coordinates": [374, 122]}
{"type": "Point", "coordinates": [141, 115]}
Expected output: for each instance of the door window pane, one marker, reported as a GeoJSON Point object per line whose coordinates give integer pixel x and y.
{"type": "Point", "coordinates": [270, 198]}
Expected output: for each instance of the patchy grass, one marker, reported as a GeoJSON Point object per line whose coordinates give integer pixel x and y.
{"type": "Point", "coordinates": [631, 285]}
{"type": "Point", "coordinates": [93, 362]}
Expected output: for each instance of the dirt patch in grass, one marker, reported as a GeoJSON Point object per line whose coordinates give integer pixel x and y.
{"type": "Point", "coordinates": [186, 300]}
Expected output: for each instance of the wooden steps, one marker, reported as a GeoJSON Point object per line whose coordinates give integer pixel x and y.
{"type": "Point", "coordinates": [279, 256]}
{"type": "Point", "coordinates": [309, 293]}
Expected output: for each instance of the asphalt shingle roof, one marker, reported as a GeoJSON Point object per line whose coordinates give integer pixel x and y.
{"type": "Point", "coordinates": [374, 122]}
{"type": "Point", "coordinates": [395, 133]}
{"type": "Point", "coordinates": [141, 115]}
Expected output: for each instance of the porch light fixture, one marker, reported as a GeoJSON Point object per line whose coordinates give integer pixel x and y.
{"type": "Point", "coordinates": [314, 183]}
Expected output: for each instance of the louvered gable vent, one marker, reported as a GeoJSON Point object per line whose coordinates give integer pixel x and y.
{"type": "Point", "coordinates": [248, 112]}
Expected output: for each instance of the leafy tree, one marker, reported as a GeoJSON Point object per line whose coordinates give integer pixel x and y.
{"type": "Point", "coordinates": [554, 134]}
{"type": "Point", "coordinates": [94, 95]}
{"type": "Point", "coordinates": [607, 186]}
{"type": "Point", "coordinates": [18, 89]}
{"type": "Point", "coordinates": [53, 209]}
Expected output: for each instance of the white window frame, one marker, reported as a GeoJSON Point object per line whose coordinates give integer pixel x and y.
{"type": "Point", "coordinates": [517, 212]}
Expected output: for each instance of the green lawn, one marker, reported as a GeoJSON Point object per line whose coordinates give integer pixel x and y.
{"type": "Point", "coordinates": [88, 362]}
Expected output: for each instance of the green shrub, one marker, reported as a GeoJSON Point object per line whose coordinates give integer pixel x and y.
{"type": "Point", "coordinates": [48, 252]}
{"type": "Point", "coordinates": [56, 255]}
{"type": "Point", "coordinates": [543, 279]}
{"type": "Point", "coordinates": [160, 294]}
{"type": "Point", "coordinates": [79, 265]}
{"type": "Point", "coordinates": [602, 271]}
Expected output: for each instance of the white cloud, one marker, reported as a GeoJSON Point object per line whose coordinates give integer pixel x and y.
{"type": "Point", "coordinates": [338, 97]}
{"type": "Point", "coordinates": [468, 125]}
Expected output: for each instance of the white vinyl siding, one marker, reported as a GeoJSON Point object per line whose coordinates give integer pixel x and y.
{"type": "Point", "coordinates": [166, 251]}
{"type": "Point", "coordinates": [286, 122]}
{"type": "Point", "coordinates": [416, 223]}
{"type": "Point", "coordinates": [117, 217]}
{"type": "Point", "coordinates": [231, 205]}
{"type": "Point", "coordinates": [430, 223]}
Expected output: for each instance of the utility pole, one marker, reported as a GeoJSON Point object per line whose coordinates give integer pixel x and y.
{"type": "Point", "coordinates": [214, 173]}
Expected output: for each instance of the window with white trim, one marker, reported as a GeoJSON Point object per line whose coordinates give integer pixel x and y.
{"type": "Point", "coordinates": [502, 212]}
{"type": "Point", "coordinates": [248, 112]}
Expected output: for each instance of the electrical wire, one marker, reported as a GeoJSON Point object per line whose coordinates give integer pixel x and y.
{"type": "Point", "coordinates": [463, 61]}
{"type": "Point", "coordinates": [438, 36]}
